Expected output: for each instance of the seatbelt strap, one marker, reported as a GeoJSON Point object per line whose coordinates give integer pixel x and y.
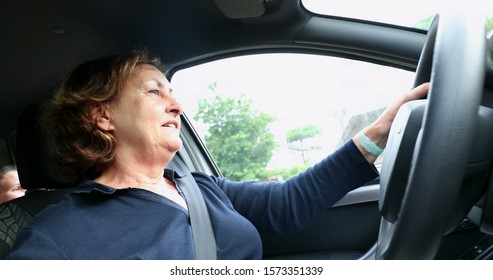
{"type": "Point", "coordinates": [202, 233]}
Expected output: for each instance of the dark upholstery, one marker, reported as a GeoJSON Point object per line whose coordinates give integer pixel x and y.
{"type": "Point", "coordinates": [17, 213]}
{"type": "Point", "coordinates": [33, 157]}
{"type": "Point", "coordinates": [12, 219]}
{"type": "Point", "coordinates": [44, 183]}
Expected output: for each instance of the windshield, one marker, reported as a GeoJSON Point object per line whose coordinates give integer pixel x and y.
{"type": "Point", "coordinates": [415, 14]}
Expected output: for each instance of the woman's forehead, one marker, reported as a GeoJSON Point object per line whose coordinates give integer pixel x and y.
{"type": "Point", "coordinates": [149, 73]}
{"type": "Point", "coordinates": [10, 175]}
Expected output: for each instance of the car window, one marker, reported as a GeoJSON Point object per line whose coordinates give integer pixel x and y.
{"type": "Point", "coordinates": [270, 116]}
{"type": "Point", "coordinates": [415, 14]}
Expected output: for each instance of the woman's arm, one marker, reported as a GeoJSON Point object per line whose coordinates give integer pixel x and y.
{"type": "Point", "coordinates": [286, 207]}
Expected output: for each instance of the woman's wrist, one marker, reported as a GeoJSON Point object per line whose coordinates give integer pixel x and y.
{"type": "Point", "coordinates": [368, 144]}
{"type": "Point", "coordinates": [371, 141]}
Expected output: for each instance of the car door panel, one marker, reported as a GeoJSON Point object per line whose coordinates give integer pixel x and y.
{"type": "Point", "coordinates": [345, 231]}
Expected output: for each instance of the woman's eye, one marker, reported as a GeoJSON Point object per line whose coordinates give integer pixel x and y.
{"type": "Point", "coordinates": [16, 188]}
{"type": "Point", "coordinates": [154, 91]}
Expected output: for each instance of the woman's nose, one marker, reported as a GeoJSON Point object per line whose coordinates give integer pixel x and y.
{"type": "Point", "coordinates": [174, 107]}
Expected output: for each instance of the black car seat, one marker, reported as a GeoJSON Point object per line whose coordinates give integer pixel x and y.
{"type": "Point", "coordinates": [45, 185]}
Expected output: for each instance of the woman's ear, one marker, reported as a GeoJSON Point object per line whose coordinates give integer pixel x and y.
{"type": "Point", "coordinates": [102, 117]}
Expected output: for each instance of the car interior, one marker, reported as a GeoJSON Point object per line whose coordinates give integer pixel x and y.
{"type": "Point", "coordinates": [434, 197]}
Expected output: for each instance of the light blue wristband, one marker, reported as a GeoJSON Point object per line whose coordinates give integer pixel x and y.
{"type": "Point", "coordinates": [368, 145]}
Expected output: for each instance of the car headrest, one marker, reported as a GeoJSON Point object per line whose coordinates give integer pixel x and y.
{"type": "Point", "coordinates": [33, 155]}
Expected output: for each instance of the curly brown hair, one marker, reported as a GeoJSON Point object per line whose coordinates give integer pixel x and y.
{"type": "Point", "coordinates": [80, 148]}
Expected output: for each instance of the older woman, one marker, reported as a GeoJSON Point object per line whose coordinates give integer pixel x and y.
{"type": "Point", "coordinates": [10, 187]}
{"type": "Point", "coordinates": [115, 125]}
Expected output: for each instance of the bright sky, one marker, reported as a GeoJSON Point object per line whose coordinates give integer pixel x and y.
{"type": "Point", "coordinates": [404, 13]}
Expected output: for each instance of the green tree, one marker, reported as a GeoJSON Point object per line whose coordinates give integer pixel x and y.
{"type": "Point", "coordinates": [489, 24]}
{"type": "Point", "coordinates": [296, 137]}
{"type": "Point", "coordinates": [286, 173]}
{"type": "Point", "coordinates": [424, 23]}
{"type": "Point", "coordinates": [238, 136]}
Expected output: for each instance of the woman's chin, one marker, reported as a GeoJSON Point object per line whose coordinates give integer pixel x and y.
{"type": "Point", "coordinates": [175, 145]}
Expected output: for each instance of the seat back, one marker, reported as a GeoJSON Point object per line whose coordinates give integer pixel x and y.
{"type": "Point", "coordinates": [44, 183]}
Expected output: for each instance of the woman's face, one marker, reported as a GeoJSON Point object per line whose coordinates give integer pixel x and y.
{"type": "Point", "coordinates": [10, 187]}
{"type": "Point", "coordinates": [145, 117]}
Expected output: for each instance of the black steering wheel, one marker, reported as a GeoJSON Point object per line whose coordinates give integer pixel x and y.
{"type": "Point", "coordinates": [431, 140]}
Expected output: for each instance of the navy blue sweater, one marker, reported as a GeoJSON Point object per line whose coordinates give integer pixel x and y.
{"type": "Point", "coordinates": [100, 222]}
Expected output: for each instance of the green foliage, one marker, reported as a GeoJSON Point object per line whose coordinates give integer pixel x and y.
{"type": "Point", "coordinates": [238, 138]}
{"type": "Point", "coordinates": [489, 24]}
{"type": "Point", "coordinates": [424, 23]}
{"type": "Point", "coordinates": [301, 133]}
{"type": "Point", "coordinates": [298, 135]}
{"type": "Point", "coordinates": [286, 173]}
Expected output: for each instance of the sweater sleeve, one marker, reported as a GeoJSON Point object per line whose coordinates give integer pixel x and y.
{"type": "Point", "coordinates": [289, 206]}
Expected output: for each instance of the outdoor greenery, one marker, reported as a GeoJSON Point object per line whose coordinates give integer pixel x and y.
{"type": "Point", "coordinates": [240, 141]}
{"type": "Point", "coordinates": [286, 173]}
{"type": "Point", "coordinates": [238, 136]}
{"type": "Point", "coordinates": [297, 136]}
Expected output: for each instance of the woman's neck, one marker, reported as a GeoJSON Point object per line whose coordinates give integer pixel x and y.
{"type": "Point", "coordinates": [121, 175]}
{"type": "Point", "coordinates": [124, 173]}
